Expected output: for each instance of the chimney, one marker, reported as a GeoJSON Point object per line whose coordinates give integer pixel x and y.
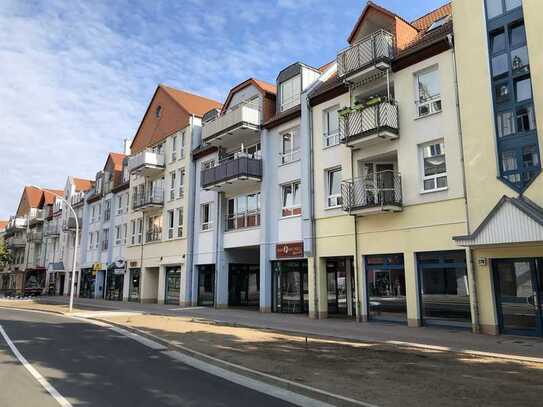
{"type": "Point", "coordinates": [126, 147]}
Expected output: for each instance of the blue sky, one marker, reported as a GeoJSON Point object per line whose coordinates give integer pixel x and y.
{"type": "Point", "coordinates": [76, 76]}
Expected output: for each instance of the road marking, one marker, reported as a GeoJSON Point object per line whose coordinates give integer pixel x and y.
{"type": "Point", "coordinates": [138, 338]}
{"type": "Point", "coordinates": [41, 380]}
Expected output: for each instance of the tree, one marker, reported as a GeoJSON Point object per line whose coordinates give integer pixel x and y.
{"type": "Point", "coordinates": [5, 255]}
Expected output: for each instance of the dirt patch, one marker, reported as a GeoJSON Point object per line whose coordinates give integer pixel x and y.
{"type": "Point", "coordinates": [381, 374]}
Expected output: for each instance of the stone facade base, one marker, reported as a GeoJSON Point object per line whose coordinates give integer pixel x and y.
{"type": "Point", "coordinates": [490, 329]}
{"type": "Point", "coordinates": [265, 309]}
{"type": "Point", "coordinates": [148, 301]}
{"type": "Point", "coordinates": [221, 306]}
{"type": "Point", "coordinates": [323, 315]}
{"type": "Point", "coordinates": [362, 318]}
{"type": "Point", "coordinates": [414, 323]}
{"type": "Point", "coordinates": [185, 304]}
{"type": "Point", "coordinates": [313, 315]}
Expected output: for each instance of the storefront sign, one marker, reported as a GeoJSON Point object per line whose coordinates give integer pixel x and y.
{"type": "Point", "coordinates": [289, 250]}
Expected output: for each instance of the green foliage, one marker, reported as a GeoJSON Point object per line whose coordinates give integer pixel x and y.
{"type": "Point", "coordinates": [5, 254]}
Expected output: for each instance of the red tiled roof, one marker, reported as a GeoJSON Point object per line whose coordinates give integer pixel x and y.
{"type": "Point", "coordinates": [117, 160]}
{"type": "Point", "coordinates": [49, 195]}
{"type": "Point", "coordinates": [82, 184]}
{"type": "Point", "coordinates": [422, 23]}
{"type": "Point", "coordinates": [264, 87]}
{"type": "Point", "coordinates": [33, 196]}
{"type": "Point", "coordinates": [193, 104]}
{"type": "Point", "coordinates": [3, 224]}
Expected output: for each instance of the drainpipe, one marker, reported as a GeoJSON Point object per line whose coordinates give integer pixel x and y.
{"type": "Point", "coordinates": [191, 177]}
{"type": "Point", "coordinates": [472, 281]}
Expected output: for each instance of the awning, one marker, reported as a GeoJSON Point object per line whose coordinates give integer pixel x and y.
{"type": "Point", "coordinates": [513, 220]}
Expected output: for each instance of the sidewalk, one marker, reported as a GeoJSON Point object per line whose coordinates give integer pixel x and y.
{"type": "Point", "coordinates": [426, 337]}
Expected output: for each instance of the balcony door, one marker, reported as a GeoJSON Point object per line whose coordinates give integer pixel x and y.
{"type": "Point", "coordinates": [378, 179]}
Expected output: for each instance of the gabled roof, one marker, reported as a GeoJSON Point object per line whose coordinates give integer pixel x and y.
{"type": "Point", "coordinates": [192, 104]}
{"type": "Point", "coordinates": [3, 224]}
{"type": "Point", "coordinates": [263, 87]}
{"type": "Point", "coordinates": [50, 195]}
{"type": "Point", "coordinates": [82, 184]}
{"type": "Point", "coordinates": [117, 161]}
{"type": "Point", "coordinates": [512, 220]}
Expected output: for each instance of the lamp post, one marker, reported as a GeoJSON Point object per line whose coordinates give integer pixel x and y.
{"type": "Point", "coordinates": [72, 284]}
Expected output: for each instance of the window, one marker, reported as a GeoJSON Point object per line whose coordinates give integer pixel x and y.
{"type": "Point", "coordinates": [181, 182]}
{"type": "Point", "coordinates": [171, 224]}
{"type": "Point", "coordinates": [172, 185]}
{"type": "Point", "coordinates": [139, 231]}
{"type": "Point", "coordinates": [333, 188]}
{"type": "Point", "coordinates": [174, 148]}
{"type": "Point", "coordinates": [105, 239]}
{"type": "Point", "coordinates": [126, 203]}
{"type": "Point", "coordinates": [290, 147]}
{"type": "Point", "coordinates": [438, 23]}
{"type": "Point", "coordinates": [93, 216]}
{"type": "Point", "coordinates": [435, 168]}
{"type": "Point", "coordinates": [331, 127]}
{"type": "Point", "coordinates": [118, 238]}
{"type": "Point", "coordinates": [119, 205]}
{"type": "Point", "coordinates": [428, 92]}
{"type": "Point", "coordinates": [290, 93]}
{"type": "Point", "coordinates": [133, 232]}
{"type": "Point", "coordinates": [243, 211]}
{"type": "Point", "coordinates": [182, 150]}
{"type": "Point", "coordinates": [91, 235]}
{"type": "Point", "coordinates": [158, 111]}
{"type": "Point", "coordinates": [97, 242]}
{"type": "Point", "coordinates": [125, 233]}
{"type": "Point", "coordinates": [291, 199]}
{"type": "Point", "coordinates": [107, 210]}
{"type": "Point", "coordinates": [205, 216]}
{"type": "Point", "coordinates": [180, 221]}
{"type": "Point", "coordinates": [154, 229]}
{"type": "Point", "coordinates": [516, 130]}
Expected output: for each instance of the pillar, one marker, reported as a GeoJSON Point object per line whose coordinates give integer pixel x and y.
{"type": "Point", "coordinates": [161, 286]}
{"type": "Point", "coordinates": [265, 279]}
{"type": "Point", "coordinates": [361, 290]}
{"type": "Point", "coordinates": [414, 318]}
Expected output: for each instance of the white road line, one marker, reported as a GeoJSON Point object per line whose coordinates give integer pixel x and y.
{"type": "Point", "coordinates": [41, 380]}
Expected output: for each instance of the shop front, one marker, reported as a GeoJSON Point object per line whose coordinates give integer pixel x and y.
{"type": "Point", "coordinates": [173, 285]}
{"type": "Point", "coordinates": [385, 279]}
{"type": "Point", "coordinates": [290, 292]}
{"type": "Point", "coordinates": [115, 281]}
{"type": "Point", "coordinates": [444, 291]}
{"type": "Point", "coordinates": [34, 281]}
{"type": "Point", "coordinates": [88, 283]}
{"type": "Point", "coordinates": [243, 285]}
{"type": "Point", "coordinates": [206, 285]}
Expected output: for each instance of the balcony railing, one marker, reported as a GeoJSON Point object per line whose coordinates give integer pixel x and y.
{"type": "Point", "coordinates": [379, 120]}
{"type": "Point", "coordinates": [70, 223]}
{"type": "Point", "coordinates": [244, 115]}
{"type": "Point", "coordinates": [147, 161]}
{"type": "Point", "coordinates": [237, 221]}
{"type": "Point", "coordinates": [53, 229]}
{"type": "Point", "coordinates": [35, 235]}
{"type": "Point", "coordinates": [381, 193]}
{"type": "Point", "coordinates": [240, 168]}
{"type": "Point", "coordinates": [375, 49]}
{"type": "Point", "coordinates": [154, 235]}
{"type": "Point", "coordinates": [17, 242]}
{"type": "Point", "coordinates": [16, 223]}
{"type": "Point", "coordinates": [146, 199]}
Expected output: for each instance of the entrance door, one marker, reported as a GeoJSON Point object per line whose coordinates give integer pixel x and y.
{"type": "Point", "coordinates": [290, 286]}
{"type": "Point", "coordinates": [134, 289]}
{"type": "Point", "coordinates": [243, 285]}
{"type": "Point", "coordinates": [62, 279]}
{"type": "Point", "coordinates": [114, 286]}
{"type": "Point", "coordinates": [339, 283]}
{"type": "Point", "coordinates": [173, 285]}
{"type": "Point", "coordinates": [206, 285]}
{"type": "Point", "coordinates": [378, 178]}
{"type": "Point", "coordinates": [519, 289]}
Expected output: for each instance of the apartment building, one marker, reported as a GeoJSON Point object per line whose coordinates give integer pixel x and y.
{"type": "Point", "coordinates": [158, 252]}
{"type": "Point", "coordinates": [388, 175]}
{"type": "Point", "coordinates": [499, 50]}
{"type": "Point", "coordinates": [227, 223]}
{"type": "Point", "coordinates": [104, 232]}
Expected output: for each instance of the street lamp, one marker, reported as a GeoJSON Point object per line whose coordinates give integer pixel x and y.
{"type": "Point", "coordinates": [75, 245]}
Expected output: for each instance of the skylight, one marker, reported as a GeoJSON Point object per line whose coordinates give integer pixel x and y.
{"type": "Point", "coordinates": [438, 23]}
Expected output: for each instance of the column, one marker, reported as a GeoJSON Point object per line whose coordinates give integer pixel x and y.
{"type": "Point", "coordinates": [412, 290]}
{"type": "Point", "coordinates": [161, 295]}
{"type": "Point", "coordinates": [361, 291]}
{"type": "Point", "coordinates": [265, 280]}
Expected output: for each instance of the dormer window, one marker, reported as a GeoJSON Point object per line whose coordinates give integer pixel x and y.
{"type": "Point", "coordinates": [290, 93]}
{"type": "Point", "coordinates": [158, 111]}
{"type": "Point", "coordinates": [438, 23]}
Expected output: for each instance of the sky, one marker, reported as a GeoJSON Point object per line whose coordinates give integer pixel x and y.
{"type": "Point", "coordinates": [76, 76]}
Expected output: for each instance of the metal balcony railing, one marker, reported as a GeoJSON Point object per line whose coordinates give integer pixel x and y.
{"type": "Point", "coordinates": [236, 168]}
{"type": "Point", "coordinates": [237, 221]}
{"type": "Point", "coordinates": [154, 235]}
{"type": "Point", "coordinates": [371, 50]}
{"type": "Point", "coordinates": [155, 197]}
{"type": "Point", "coordinates": [365, 121]}
{"type": "Point", "coordinates": [382, 190]}
{"type": "Point", "coordinates": [16, 242]}
{"type": "Point", "coordinates": [53, 229]}
{"type": "Point", "coordinates": [34, 236]}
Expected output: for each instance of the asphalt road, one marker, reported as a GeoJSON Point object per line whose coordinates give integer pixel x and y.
{"type": "Point", "coordinates": [94, 366]}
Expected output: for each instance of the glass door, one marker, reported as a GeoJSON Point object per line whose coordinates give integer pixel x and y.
{"type": "Point", "coordinates": [134, 288]}
{"type": "Point", "coordinates": [518, 292]}
{"type": "Point", "coordinates": [173, 285]}
{"type": "Point", "coordinates": [206, 285]}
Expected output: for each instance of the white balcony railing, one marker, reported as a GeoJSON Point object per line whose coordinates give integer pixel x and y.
{"type": "Point", "coordinates": [146, 159]}
{"type": "Point", "coordinates": [239, 116]}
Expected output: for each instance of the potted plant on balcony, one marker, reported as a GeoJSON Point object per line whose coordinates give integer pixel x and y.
{"type": "Point", "coordinates": [344, 112]}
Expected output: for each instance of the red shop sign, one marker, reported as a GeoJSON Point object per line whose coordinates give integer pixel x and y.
{"type": "Point", "coordinates": [283, 250]}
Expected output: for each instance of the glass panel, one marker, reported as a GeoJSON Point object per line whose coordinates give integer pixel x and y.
{"type": "Point", "coordinates": [428, 84]}
{"type": "Point", "coordinates": [523, 90]}
{"type": "Point", "coordinates": [134, 289]}
{"type": "Point", "coordinates": [206, 285]}
{"type": "Point", "coordinates": [503, 92]}
{"type": "Point", "coordinates": [517, 298]}
{"type": "Point", "coordinates": [500, 65]}
{"type": "Point", "coordinates": [442, 182]}
{"type": "Point", "coordinates": [498, 42]}
{"type": "Point", "coordinates": [494, 8]}
{"type": "Point", "coordinates": [530, 156]}
{"type": "Point", "coordinates": [518, 36]}
{"type": "Point", "coordinates": [444, 290]}
{"type": "Point", "coordinates": [512, 4]}
{"type": "Point", "coordinates": [525, 119]}
{"type": "Point", "coordinates": [509, 161]}
{"type": "Point", "coordinates": [429, 184]}
{"type": "Point", "coordinates": [505, 124]}
{"type": "Point", "coordinates": [173, 286]}
{"type": "Point", "coordinates": [519, 60]}
{"type": "Point", "coordinates": [386, 289]}
{"type": "Point", "coordinates": [332, 292]}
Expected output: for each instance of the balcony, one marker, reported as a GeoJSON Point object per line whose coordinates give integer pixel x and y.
{"type": "Point", "coordinates": [239, 125]}
{"type": "Point", "coordinates": [52, 229]}
{"type": "Point", "coordinates": [147, 163]}
{"type": "Point", "coordinates": [15, 223]}
{"type": "Point", "coordinates": [367, 125]}
{"type": "Point", "coordinates": [36, 216]}
{"type": "Point", "coordinates": [148, 200]}
{"type": "Point", "coordinates": [70, 224]}
{"type": "Point", "coordinates": [233, 175]}
{"type": "Point", "coordinates": [16, 242]}
{"type": "Point", "coordinates": [368, 56]}
{"type": "Point", "coordinates": [383, 193]}
{"type": "Point", "coordinates": [154, 235]}
{"type": "Point", "coordinates": [35, 236]}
